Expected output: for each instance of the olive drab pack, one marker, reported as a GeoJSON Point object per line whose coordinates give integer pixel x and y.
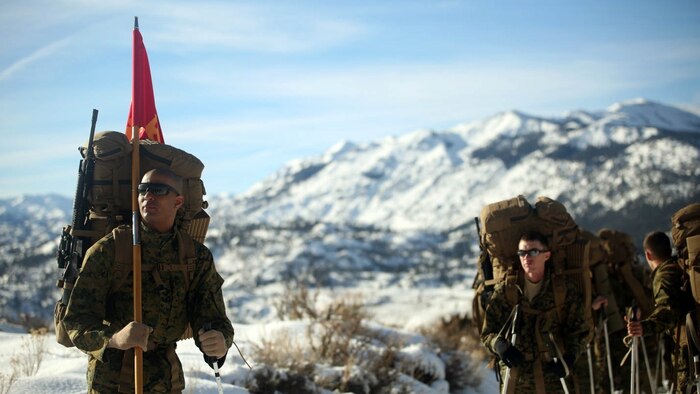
{"type": "Point", "coordinates": [504, 222]}
{"type": "Point", "coordinates": [685, 231]}
{"type": "Point", "coordinates": [601, 281]}
{"type": "Point", "coordinates": [110, 193]}
{"type": "Point", "coordinates": [624, 266]}
{"type": "Point", "coordinates": [109, 202]}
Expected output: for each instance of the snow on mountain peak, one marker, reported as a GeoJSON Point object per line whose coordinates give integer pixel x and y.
{"type": "Point", "coordinates": [437, 179]}
{"type": "Point", "coordinates": [641, 112]}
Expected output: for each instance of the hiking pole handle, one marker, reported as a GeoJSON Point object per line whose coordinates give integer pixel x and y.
{"type": "Point", "coordinates": [213, 362]}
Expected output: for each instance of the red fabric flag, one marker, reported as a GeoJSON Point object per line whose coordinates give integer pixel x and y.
{"type": "Point", "coordinates": [142, 112]}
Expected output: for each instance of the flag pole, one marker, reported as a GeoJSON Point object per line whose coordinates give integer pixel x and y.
{"type": "Point", "coordinates": [135, 215]}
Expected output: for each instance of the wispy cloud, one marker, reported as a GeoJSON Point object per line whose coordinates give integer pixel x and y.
{"type": "Point", "coordinates": [35, 56]}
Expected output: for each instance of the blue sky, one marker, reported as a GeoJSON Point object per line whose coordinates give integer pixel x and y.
{"type": "Point", "coordinates": [249, 85]}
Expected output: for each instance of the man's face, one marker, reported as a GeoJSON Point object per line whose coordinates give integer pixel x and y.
{"type": "Point", "coordinates": [533, 256]}
{"type": "Point", "coordinates": [158, 211]}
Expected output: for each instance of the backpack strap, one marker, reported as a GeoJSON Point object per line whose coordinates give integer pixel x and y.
{"type": "Point", "coordinates": [643, 301]}
{"type": "Point", "coordinates": [123, 258]}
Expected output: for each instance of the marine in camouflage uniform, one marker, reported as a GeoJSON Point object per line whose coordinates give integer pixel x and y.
{"type": "Point", "coordinates": [538, 317]}
{"type": "Point", "coordinates": [98, 312]}
{"type": "Point", "coordinates": [670, 302]}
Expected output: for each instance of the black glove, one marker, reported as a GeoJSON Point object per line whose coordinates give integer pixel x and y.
{"type": "Point", "coordinates": [557, 368]}
{"type": "Point", "coordinates": [508, 353]}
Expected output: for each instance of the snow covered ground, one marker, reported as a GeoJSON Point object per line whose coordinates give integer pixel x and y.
{"type": "Point", "coordinates": [400, 312]}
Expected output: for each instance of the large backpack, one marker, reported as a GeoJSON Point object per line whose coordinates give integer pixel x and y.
{"type": "Point", "coordinates": [110, 193]}
{"type": "Point", "coordinates": [602, 281]}
{"type": "Point", "coordinates": [685, 231]}
{"type": "Point", "coordinates": [109, 201]}
{"type": "Point", "coordinates": [624, 268]}
{"type": "Point", "coordinates": [503, 223]}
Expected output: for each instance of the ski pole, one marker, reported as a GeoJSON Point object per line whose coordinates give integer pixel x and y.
{"type": "Point", "coordinates": [214, 363]}
{"type": "Point", "coordinates": [513, 339]}
{"type": "Point", "coordinates": [607, 349]}
{"type": "Point", "coordinates": [652, 380]}
{"type": "Point", "coordinates": [590, 367]}
{"type": "Point", "coordinates": [634, 372]}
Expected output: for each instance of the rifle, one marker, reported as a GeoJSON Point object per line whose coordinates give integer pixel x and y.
{"type": "Point", "coordinates": [74, 241]}
{"type": "Point", "coordinates": [485, 272]}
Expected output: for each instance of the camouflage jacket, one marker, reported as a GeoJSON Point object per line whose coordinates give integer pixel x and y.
{"type": "Point", "coordinates": [97, 310]}
{"type": "Point", "coordinates": [537, 318]}
{"type": "Point", "coordinates": [669, 309]}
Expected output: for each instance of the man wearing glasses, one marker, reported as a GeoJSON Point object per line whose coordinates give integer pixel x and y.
{"type": "Point", "coordinates": [548, 340]}
{"type": "Point", "coordinates": [180, 287]}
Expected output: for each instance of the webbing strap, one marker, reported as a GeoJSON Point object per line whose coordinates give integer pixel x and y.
{"type": "Point", "coordinates": [123, 258]}
{"type": "Point", "coordinates": [636, 288]}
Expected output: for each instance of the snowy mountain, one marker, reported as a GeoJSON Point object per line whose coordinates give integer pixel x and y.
{"type": "Point", "coordinates": [398, 213]}
{"type": "Point", "coordinates": [635, 155]}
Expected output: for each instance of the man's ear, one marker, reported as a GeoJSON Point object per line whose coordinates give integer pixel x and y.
{"type": "Point", "coordinates": [179, 200]}
{"type": "Point", "coordinates": [649, 256]}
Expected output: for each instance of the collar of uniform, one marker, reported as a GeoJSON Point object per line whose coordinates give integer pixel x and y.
{"type": "Point", "coordinates": [151, 235]}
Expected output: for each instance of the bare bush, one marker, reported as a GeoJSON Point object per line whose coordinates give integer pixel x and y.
{"type": "Point", "coordinates": [27, 361]}
{"type": "Point", "coordinates": [266, 379]}
{"type": "Point", "coordinates": [297, 304]}
{"type": "Point", "coordinates": [6, 381]}
{"type": "Point", "coordinates": [340, 352]}
{"type": "Point", "coordinates": [460, 349]}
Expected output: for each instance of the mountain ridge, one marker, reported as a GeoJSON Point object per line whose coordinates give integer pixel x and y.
{"type": "Point", "coordinates": [399, 211]}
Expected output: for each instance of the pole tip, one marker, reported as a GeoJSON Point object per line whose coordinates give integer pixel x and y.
{"type": "Point", "coordinates": [136, 22]}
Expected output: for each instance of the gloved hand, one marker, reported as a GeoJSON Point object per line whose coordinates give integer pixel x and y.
{"type": "Point", "coordinates": [557, 368]}
{"type": "Point", "coordinates": [508, 353]}
{"type": "Point", "coordinates": [132, 335]}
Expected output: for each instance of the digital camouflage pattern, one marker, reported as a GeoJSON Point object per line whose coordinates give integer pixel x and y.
{"type": "Point", "coordinates": [537, 318]}
{"type": "Point", "coordinates": [95, 313]}
{"type": "Point", "coordinates": [671, 304]}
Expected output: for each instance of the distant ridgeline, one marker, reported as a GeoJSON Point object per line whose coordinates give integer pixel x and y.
{"type": "Point", "coordinates": [404, 206]}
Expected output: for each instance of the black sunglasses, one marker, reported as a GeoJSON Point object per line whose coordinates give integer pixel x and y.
{"type": "Point", "coordinates": [530, 252]}
{"type": "Point", "coordinates": [157, 189]}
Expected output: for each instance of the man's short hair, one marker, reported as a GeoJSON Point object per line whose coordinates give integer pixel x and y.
{"type": "Point", "coordinates": [535, 236]}
{"type": "Point", "coordinates": [175, 180]}
{"type": "Point", "coordinates": [658, 244]}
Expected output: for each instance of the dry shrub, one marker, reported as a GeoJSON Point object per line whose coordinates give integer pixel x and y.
{"type": "Point", "coordinates": [284, 351]}
{"type": "Point", "coordinates": [341, 324]}
{"type": "Point", "coordinates": [6, 381]}
{"type": "Point", "coordinates": [460, 349]}
{"type": "Point", "coordinates": [27, 361]}
{"type": "Point", "coordinates": [297, 304]}
{"type": "Point", "coordinates": [336, 338]}
{"type": "Point", "coordinates": [269, 380]}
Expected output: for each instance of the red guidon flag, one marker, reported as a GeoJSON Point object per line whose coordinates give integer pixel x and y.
{"type": "Point", "coordinates": [143, 104]}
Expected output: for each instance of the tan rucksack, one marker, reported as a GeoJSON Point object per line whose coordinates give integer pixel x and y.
{"type": "Point", "coordinates": [110, 192]}
{"type": "Point", "coordinates": [685, 231]}
{"type": "Point", "coordinates": [601, 281]}
{"type": "Point", "coordinates": [504, 222]}
{"type": "Point", "coordinates": [622, 262]}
